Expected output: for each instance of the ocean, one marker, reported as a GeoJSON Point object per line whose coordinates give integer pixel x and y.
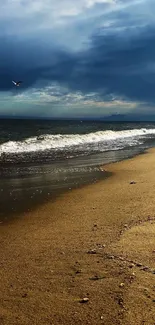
{"type": "Point", "coordinates": [39, 159]}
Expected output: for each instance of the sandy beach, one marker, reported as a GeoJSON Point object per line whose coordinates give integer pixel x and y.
{"type": "Point", "coordinates": [96, 242]}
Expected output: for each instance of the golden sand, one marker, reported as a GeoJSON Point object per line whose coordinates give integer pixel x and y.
{"type": "Point", "coordinates": [97, 242]}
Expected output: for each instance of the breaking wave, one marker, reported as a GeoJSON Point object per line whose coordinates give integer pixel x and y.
{"type": "Point", "coordinates": [108, 140]}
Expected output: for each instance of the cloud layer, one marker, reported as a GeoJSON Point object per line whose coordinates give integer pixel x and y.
{"type": "Point", "coordinates": [79, 57]}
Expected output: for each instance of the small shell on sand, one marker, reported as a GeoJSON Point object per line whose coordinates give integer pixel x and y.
{"type": "Point", "coordinates": [121, 285]}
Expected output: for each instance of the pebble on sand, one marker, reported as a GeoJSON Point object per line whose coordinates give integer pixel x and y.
{"type": "Point", "coordinates": [84, 300]}
{"type": "Point", "coordinates": [111, 257]}
{"type": "Point", "coordinates": [97, 277]}
{"type": "Point", "coordinates": [131, 265]}
{"type": "Point", "coordinates": [24, 295]}
{"type": "Point", "coordinates": [91, 251]}
{"type": "Point", "coordinates": [139, 264]}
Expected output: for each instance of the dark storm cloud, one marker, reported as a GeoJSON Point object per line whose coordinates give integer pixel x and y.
{"type": "Point", "coordinates": [31, 62]}
{"type": "Point", "coordinates": [120, 65]}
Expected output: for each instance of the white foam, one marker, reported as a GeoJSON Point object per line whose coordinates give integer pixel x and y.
{"type": "Point", "coordinates": [60, 141]}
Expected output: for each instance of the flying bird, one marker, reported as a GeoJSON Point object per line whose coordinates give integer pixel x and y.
{"type": "Point", "coordinates": [17, 84]}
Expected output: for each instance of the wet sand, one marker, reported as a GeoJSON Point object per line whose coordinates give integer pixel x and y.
{"type": "Point", "coordinates": [96, 242]}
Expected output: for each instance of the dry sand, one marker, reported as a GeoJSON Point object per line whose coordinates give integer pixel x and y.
{"type": "Point", "coordinates": [97, 242]}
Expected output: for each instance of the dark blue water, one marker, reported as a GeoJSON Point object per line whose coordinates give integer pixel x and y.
{"type": "Point", "coordinates": [39, 158]}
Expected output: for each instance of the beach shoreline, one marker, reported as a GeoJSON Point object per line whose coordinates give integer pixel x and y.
{"type": "Point", "coordinates": [25, 188]}
{"type": "Point", "coordinates": [95, 242]}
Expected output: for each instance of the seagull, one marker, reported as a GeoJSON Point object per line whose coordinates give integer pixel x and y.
{"type": "Point", "coordinates": [17, 84]}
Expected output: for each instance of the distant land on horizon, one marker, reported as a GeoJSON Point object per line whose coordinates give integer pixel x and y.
{"type": "Point", "coordinates": [110, 118]}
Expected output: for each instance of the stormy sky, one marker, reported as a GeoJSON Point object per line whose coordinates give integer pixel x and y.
{"type": "Point", "coordinates": [85, 58]}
